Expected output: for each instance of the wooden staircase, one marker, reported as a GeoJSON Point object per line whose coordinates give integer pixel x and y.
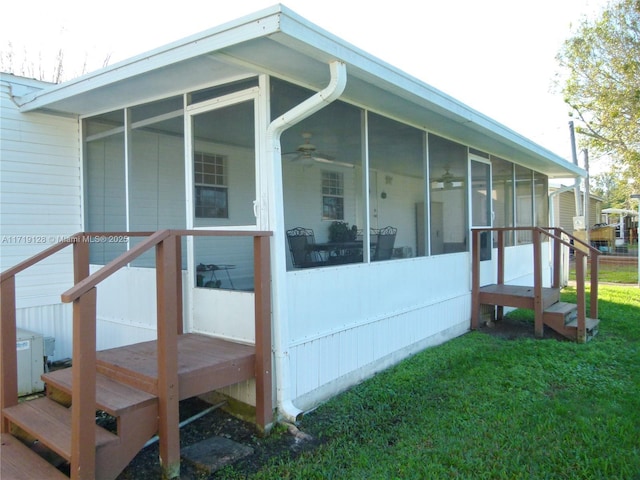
{"type": "Point", "coordinates": [568, 319]}
{"type": "Point", "coordinates": [139, 385]}
{"type": "Point", "coordinates": [126, 389]}
{"type": "Point", "coordinates": [560, 316]}
{"type": "Point", "coordinates": [45, 423]}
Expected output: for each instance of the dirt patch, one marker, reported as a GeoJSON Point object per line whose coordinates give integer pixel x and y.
{"type": "Point", "coordinates": [280, 444]}
{"type": "Point", "coordinates": [515, 328]}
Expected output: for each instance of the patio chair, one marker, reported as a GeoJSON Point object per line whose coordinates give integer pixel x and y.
{"type": "Point", "coordinates": [301, 241]}
{"type": "Point", "coordinates": [385, 238]}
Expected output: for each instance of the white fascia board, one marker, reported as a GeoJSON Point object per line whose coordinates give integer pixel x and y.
{"type": "Point", "coordinates": [265, 22]}
{"type": "Point", "coordinates": [392, 79]}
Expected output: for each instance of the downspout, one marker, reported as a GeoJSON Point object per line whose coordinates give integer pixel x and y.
{"type": "Point", "coordinates": [552, 195]}
{"type": "Point", "coordinates": [331, 92]}
{"type": "Point", "coordinates": [552, 214]}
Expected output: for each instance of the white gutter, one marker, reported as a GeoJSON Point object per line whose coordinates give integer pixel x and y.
{"type": "Point", "coordinates": [332, 91]}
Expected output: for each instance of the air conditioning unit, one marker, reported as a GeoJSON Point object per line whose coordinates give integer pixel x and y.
{"type": "Point", "coordinates": [33, 350]}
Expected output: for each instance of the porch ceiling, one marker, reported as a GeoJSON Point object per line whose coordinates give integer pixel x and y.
{"type": "Point", "coordinates": [277, 41]}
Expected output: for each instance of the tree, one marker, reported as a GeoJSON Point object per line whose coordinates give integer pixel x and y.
{"type": "Point", "coordinates": [50, 67]}
{"type": "Point", "coordinates": [602, 85]}
{"type": "Point", "coordinates": [614, 191]}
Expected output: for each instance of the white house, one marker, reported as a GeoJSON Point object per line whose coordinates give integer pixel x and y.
{"type": "Point", "coordinates": [268, 123]}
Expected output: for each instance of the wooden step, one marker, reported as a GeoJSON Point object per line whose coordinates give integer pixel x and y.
{"type": "Point", "coordinates": [50, 423]}
{"type": "Point", "coordinates": [561, 312]}
{"type": "Point", "coordinates": [591, 326]}
{"type": "Point", "coordinates": [19, 462]}
{"type": "Point", "coordinates": [113, 397]}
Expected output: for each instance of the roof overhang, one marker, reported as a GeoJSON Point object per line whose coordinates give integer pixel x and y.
{"type": "Point", "coordinates": [279, 42]}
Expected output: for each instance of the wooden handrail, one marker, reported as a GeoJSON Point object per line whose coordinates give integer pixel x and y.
{"type": "Point", "coordinates": [593, 250]}
{"type": "Point", "coordinates": [29, 262]}
{"type": "Point", "coordinates": [130, 255]}
{"type": "Point", "coordinates": [110, 268]}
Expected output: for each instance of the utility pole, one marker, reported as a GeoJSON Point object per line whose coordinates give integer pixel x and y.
{"type": "Point", "coordinates": [586, 191]}
{"type": "Point", "coordinates": [574, 155]}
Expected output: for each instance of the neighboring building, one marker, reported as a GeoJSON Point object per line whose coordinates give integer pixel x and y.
{"type": "Point", "coordinates": [563, 208]}
{"type": "Point", "coordinates": [190, 136]}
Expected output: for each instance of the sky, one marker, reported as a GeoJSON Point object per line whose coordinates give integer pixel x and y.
{"type": "Point", "coordinates": [496, 56]}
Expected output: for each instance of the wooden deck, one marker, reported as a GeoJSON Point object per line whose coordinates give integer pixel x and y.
{"type": "Point", "coordinates": [204, 364]}
{"type": "Point", "coordinates": [517, 296]}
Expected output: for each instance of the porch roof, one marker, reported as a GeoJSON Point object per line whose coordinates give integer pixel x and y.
{"type": "Point", "coordinates": [279, 42]}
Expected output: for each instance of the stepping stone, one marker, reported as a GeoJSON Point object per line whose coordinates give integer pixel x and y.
{"type": "Point", "coordinates": [214, 453]}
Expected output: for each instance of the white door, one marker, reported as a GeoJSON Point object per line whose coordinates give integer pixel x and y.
{"type": "Point", "coordinates": [482, 214]}
{"type": "Point", "coordinates": [221, 191]}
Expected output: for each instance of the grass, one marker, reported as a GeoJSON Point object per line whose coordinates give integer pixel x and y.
{"type": "Point", "coordinates": [622, 273]}
{"type": "Point", "coordinates": [482, 407]}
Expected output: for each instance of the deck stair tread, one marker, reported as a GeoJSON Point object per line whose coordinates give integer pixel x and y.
{"type": "Point", "coordinates": [113, 397]}
{"type": "Point", "coordinates": [590, 323]}
{"type": "Point", "coordinates": [204, 364]}
{"type": "Point", "coordinates": [563, 308]}
{"type": "Point", "coordinates": [50, 423]}
{"type": "Point", "coordinates": [19, 462]}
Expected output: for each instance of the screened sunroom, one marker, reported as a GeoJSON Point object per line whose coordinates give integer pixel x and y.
{"type": "Point", "coordinates": [139, 177]}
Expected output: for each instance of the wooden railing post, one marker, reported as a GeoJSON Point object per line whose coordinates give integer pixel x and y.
{"type": "Point", "coordinates": [538, 304]}
{"type": "Point", "coordinates": [262, 299]}
{"type": "Point", "coordinates": [581, 297]}
{"type": "Point", "coordinates": [500, 308]}
{"type": "Point", "coordinates": [83, 388]}
{"type": "Point", "coordinates": [168, 272]}
{"type": "Point", "coordinates": [595, 267]}
{"type": "Point", "coordinates": [500, 257]}
{"type": "Point", "coordinates": [8, 353]}
{"type": "Point", "coordinates": [475, 279]}
{"type": "Point", "coordinates": [557, 254]}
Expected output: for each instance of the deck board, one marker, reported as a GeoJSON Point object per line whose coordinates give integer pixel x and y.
{"type": "Point", "coordinates": [204, 364]}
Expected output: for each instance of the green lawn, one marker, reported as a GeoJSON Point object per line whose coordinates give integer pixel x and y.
{"type": "Point", "coordinates": [481, 407]}
{"type": "Point", "coordinates": [612, 271]}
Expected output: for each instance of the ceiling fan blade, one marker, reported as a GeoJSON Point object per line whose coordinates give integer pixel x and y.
{"type": "Point", "coordinates": [321, 156]}
{"type": "Point", "coordinates": [333, 162]}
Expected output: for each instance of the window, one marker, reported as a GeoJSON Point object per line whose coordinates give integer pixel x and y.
{"type": "Point", "coordinates": [332, 196]}
{"type": "Point", "coordinates": [210, 179]}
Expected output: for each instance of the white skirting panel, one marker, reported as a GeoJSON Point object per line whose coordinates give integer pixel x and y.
{"type": "Point", "coordinates": [348, 322]}
{"type": "Point", "coordinates": [320, 373]}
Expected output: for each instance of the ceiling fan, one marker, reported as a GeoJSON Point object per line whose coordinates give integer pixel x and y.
{"type": "Point", "coordinates": [447, 181]}
{"type": "Point", "coordinates": [306, 154]}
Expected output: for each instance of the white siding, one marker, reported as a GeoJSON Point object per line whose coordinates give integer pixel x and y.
{"type": "Point", "coordinates": [40, 195]}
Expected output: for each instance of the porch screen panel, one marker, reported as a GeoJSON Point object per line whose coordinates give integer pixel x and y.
{"type": "Point", "coordinates": [156, 171]}
{"type": "Point", "coordinates": [397, 183]}
{"type": "Point", "coordinates": [448, 197]}
{"type": "Point", "coordinates": [481, 204]}
{"type": "Point", "coordinates": [224, 263]}
{"type": "Point", "coordinates": [524, 203]}
{"type": "Point", "coordinates": [541, 196]}
{"type": "Point", "coordinates": [322, 176]}
{"type": "Point", "coordinates": [105, 188]}
{"type": "Point", "coordinates": [502, 184]}
{"type": "Point", "coordinates": [224, 166]}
